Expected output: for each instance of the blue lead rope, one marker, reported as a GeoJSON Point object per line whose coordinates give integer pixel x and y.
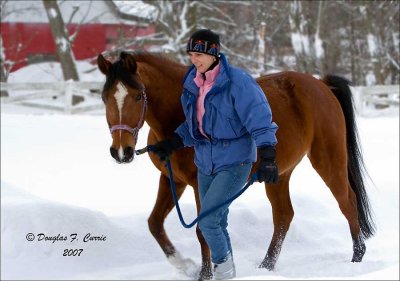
{"type": "Point", "coordinates": [205, 213]}
{"type": "Point", "coordinates": [175, 197]}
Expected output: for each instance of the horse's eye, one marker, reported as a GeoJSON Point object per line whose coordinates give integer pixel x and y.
{"type": "Point", "coordinates": [138, 97]}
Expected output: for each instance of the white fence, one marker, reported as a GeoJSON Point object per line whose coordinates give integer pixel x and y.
{"type": "Point", "coordinates": [376, 98]}
{"type": "Point", "coordinates": [42, 95]}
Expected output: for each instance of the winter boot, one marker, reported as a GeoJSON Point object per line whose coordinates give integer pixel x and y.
{"type": "Point", "coordinates": [225, 270]}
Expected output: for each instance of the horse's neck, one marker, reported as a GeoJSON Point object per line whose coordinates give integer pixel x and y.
{"type": "Point", "coordinates": [164, 111]}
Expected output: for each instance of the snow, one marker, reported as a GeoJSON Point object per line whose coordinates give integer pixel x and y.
{"type": "Point", "coordinates": [372, 44]}
{"type": "Point", "coordinates": [370, 78]}
{"type": "Point", "coordinates": [62, 44]}
{"type": "Point", "coordinates": [137, 8]}
{"type": "Point", "coordinates": [396, 41]}
{"type": "Point", "coordinates": [300, 43]}
{"type": "Point", "coordinates": [88, 12]}
{"type": "Point", "coordinates": [58, 178]}
{"type": "Point", "coordinates": [51, 72]}
{"type": "Point", "coordinates": [2, 54]}
{"type": "Point", "coordinates": [319, 49]}
{"type": "Point", "coordinates": [53, 13]}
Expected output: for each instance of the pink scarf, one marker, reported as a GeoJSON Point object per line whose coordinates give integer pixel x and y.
{"type": "Point", "coordinates": [205, 86]}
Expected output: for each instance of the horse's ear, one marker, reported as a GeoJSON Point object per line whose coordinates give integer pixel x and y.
{"type": "Point", "coordinates": [103, 64]}
{"type": "Point", "coordinates": [128, 61]}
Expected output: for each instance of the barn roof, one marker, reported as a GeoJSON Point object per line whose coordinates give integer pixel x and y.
{"type": "Point", "coordinates": [112, 12]}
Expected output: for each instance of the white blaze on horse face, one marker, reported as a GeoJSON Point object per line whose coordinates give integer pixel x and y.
{"type": "Point", "coordinates": [121, 152]}
{"type": "Point", "coordinates": [120, 95]}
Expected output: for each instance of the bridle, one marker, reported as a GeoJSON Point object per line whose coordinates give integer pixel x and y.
{"type": "Point", "coordinates": [139, 125]}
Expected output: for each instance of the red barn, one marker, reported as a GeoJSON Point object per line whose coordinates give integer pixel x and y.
{"type": "Point", "coordinates": [27, 38]}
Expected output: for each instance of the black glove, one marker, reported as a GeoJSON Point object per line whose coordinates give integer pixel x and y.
{"type": "Point", "coordinates": [165, 148]}
{"type": "Point", "coordinates": [267, 170]}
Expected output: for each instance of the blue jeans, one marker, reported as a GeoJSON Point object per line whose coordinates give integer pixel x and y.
{"type": "Point", "coordinates": [213, 190]}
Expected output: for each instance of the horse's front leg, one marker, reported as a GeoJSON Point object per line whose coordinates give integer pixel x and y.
{"type": "Point", "coordinates": [164, 204]}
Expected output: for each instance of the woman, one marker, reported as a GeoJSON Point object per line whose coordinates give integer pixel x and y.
{"type": "Point", "coordinates": [227, 118]}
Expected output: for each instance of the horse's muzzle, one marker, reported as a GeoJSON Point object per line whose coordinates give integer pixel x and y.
{"type": "Point", "coordinates": [126, 156]}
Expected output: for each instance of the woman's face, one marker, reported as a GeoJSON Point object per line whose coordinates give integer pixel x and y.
{"type": "Point", "coordinates": [201, 61]}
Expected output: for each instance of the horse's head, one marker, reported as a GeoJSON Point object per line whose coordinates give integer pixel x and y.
{"type": "Point", "coordinates": [126, 103]}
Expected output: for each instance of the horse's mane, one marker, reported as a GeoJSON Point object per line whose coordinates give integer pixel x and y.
{"type": "Point", "coordinates": [154, 58]}
{"type": "Point", "coordinates": [118, 71]}
{"type": "Point", "coordinates": [165, 65]}
{"type": "Point", "coordinates": [159, 61]}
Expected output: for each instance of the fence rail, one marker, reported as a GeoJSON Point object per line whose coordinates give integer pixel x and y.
{"type": "Point", "coordinates": [378, 97]}
{"type": "Point", "coordinates": [26, 93]}
{"type": "Point", "coordinates": [381, 96]}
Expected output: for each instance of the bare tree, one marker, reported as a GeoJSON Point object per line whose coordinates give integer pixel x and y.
{"type": "Point", "coordinates": [7, 63]}
{"type": "Point", "coordinates": [233, 20]}
{"type": "Point", "coordinates": [3, 67]}
{"type": "Point", "coordinates": [305, 36]}
{"type": "Point", "coordinates": [343, 37]}
{"type": "Point", "coordinates": [176, 20]}
{"type": "Point", "coordinates": [381, 39]}
{"type": "Point", "coordinates": [63, 44]}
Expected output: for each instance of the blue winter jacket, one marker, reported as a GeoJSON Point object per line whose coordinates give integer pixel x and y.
{"type": "Point", "coordinates": [237, 120]}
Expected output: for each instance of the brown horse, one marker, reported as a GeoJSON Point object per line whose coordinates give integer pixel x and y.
{"type": "Point", "coordinates": [315, 118]}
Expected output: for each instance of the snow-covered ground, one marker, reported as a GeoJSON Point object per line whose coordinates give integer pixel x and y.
{"type": "Point", "coordinates": [58, 179]}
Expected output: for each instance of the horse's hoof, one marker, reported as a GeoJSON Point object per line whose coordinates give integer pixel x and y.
{"type": "Point", "coordinates": [205, 273]}
{"type": "Point", "coordinates": [358, 252]}
{"type": "Point", "coordinates": [268, 264]}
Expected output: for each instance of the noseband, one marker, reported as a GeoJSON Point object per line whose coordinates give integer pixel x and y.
{"type": "Point", "coordinates": [133, 131]}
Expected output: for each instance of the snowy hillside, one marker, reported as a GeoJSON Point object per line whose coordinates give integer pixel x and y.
{"type": "Point", "coordinates": [59, 179]}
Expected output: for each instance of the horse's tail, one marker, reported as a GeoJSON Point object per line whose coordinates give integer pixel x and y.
{"type": "Point", "coordinates": [355, 166]}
